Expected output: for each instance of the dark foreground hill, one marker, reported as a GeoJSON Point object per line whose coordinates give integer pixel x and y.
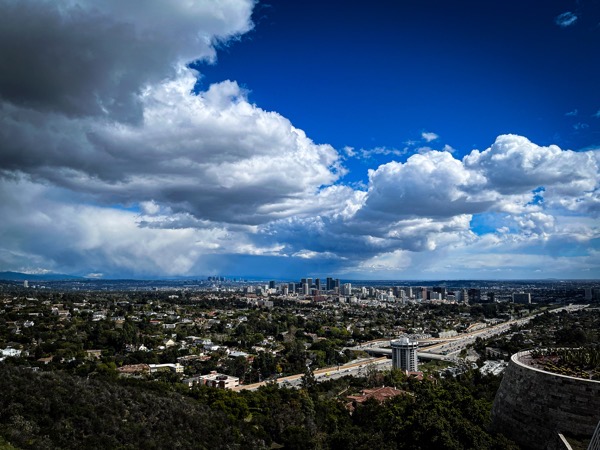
{"type": "Point", "coordinates": [58, 410]}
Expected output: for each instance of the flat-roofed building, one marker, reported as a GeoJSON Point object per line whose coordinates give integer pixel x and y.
{"type": "Point", "coordinates": [213, 379]}
{"type": "Point", "coordinates": [521, 297]}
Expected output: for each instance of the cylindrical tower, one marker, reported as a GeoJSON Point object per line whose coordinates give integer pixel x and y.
{"type": "Point", "coordinates": [404, 354]}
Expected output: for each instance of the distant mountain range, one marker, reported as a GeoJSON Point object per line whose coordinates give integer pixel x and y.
{"type": "Point", "coordinates": [18, 276]}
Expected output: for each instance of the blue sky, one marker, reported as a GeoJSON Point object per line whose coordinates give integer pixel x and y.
{"type": "Point", "coordinates": [398, 140]}
{"type": "Point", "coordinates": [381, 75]}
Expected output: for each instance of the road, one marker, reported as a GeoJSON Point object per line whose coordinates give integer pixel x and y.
{"type": "Point", "coordinates": [356, 368]}
{"type": "Point", "coordinates": [442, 349]}
{"type": "Point", "coordinates": [456, 344]}
{"type": "Point", "coordinates": [449, 348]}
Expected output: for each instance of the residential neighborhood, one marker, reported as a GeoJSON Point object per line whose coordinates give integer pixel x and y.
{"type": "Point", "coordinates": [240, 333]}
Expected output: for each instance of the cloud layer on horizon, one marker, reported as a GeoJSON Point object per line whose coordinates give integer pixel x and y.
{"type": "Point", "coordinates": [106, 168]}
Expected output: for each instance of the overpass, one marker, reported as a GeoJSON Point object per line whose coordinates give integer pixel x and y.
{"type": "Point", "coordinates": [378, 351]}
{"type": "Point", "coordinates": [454, 344]}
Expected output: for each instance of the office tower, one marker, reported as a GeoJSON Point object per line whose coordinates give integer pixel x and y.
{"type": "Point", "coordinates": [402, 295]}
{"type": "Point", "coordinates": [318, 284]}
{"type": "Point", "coordinates": [442, 291]}
{"type": "Point", "coordinates": [474, 295]}
{"type": "Point", "coordinates": [346, 289]}
{"type": "Point", "coordinates": [404, 354]}
{"type": "Point", "coordinates": [521, 298]}
{"type": "Point", "coordinates": [424, 293]}
{"type": "Point", "coordinates": [272, 284]}
{"type": "Point", "coordinates": [464, 296]}
{"type": "Point", "coordinates": [330, 284]}
{"type": "Point", "coordinates": [292, 288]}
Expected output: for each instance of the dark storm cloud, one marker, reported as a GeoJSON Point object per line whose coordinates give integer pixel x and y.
{"type": "Point", "coordinates": [95, 58]}
{"type": "Point", "coordinates": [96, 99]}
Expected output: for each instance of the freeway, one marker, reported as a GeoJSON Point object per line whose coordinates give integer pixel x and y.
{"type": "Point", "coordinates": [355, 368]}
{"type": "Point", "coordinates": [448, 348]}
{"type": "Point", "coordinates": [456, 344]}
{"type": "Point", "coordinates": [442, 349]}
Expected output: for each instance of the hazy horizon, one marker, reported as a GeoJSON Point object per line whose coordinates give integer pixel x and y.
{"type": "Point", "coordinates": [251, 278]}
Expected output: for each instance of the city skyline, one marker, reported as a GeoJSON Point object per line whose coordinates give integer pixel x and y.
{"type": "Point", "coordinates": [293, 139]}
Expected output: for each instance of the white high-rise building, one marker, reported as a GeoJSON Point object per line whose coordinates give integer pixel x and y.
{"type": "Point", "coordinates": [435, 296]}
{"type": "Point", "coordinates": [306, 289]}
{"type": "Point", "coordinates": [347, 289]}
{"type": "Point", "coordinates": [404, 354]}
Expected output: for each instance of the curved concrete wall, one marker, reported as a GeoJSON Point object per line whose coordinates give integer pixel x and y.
{"type": "Point", "coordinates": [532, 406]}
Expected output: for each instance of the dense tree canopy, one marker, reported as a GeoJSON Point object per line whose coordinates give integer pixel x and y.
{"type": "Point", "coordinates": [58, 410]}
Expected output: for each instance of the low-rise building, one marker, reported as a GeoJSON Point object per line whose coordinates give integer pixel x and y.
{"type": "Point", "coordinates": [10, 352]}
{"type": "Point", "coordinates": [380, 394]}
{"type": "Point", "coordinates": [213, 379]}
{"type": "Point", "coordinates": [177, 368]}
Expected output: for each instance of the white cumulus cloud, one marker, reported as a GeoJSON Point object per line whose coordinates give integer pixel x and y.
{"type": "Point", "coordinates": [566, 19]}
{"type": "Point", "coordinates": [429, 136]}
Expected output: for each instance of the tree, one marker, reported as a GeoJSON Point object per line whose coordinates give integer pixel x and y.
{"type": "Point", "coordinates": [308, 379]}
